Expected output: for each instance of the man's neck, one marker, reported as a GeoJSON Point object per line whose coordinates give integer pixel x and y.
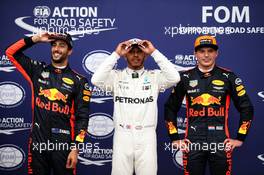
{"type": "Point", "coordinates": [135, 68]}
{"type": "Point", "coordinates": [59, 65]}
{"type": "Point", "coordinates": [206, 69]}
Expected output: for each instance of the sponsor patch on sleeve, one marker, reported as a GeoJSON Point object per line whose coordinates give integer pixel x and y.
{"type": "Point", "coordinates": [239, 88]}
{"type": "Point", "coordinates": [67, 81]}
{"type": "Point", "coordinates": [244, 127]}
{"type": "Point", "coordinates": [241, 93]}
{"type": "Point", "coordinates": [86, 98]}
{"type": "Point", "coordinates": [172, 129]}
{"type": "Point", "coordinates": [86, 92]}
{"type": "Point", "coordinates": [80, 137]}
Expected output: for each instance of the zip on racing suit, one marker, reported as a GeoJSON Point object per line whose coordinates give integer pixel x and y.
{"type": "Point", "coordinates": [135, 111]}
{"type": "Point", "coordinates": [207, 102]}
{"type": "Point", "coordinates": [60, 106]}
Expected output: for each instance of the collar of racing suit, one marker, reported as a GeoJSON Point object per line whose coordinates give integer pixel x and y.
{"type": "Point", "coordinates": [58, 70]}
{"type": "Point", "coordinates": [205, 74]}
{"type": "Point", "coordinates": [131, 71]}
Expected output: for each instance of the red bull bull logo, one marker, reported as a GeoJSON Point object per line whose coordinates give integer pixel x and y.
{"type": "Point", "coordinates": [53, 94]}
{"type": "Point", "coordinates": [206, 100]}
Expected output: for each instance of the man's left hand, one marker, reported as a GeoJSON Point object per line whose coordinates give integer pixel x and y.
{"type": "Point", "coordinates": [72, 159]}
{"type": "Point", "coordinates": [146, 46]}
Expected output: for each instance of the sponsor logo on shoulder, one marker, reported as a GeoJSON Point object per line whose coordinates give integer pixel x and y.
{"type": "Point", "coordinates": [218, 82]}
{"type": "Point", "coordinates": [67, 81]}
{"type": "Point", "coordinates": [45, 74]}
{"type": "Point", "coordinates": [193, 83]}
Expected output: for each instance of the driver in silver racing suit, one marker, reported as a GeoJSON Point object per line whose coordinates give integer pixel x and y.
{"type": "Point", "coordinates": [135, 92]}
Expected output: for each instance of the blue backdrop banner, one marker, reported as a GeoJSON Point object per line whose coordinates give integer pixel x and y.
{"type": "Point", "coordinates": [97, 27]}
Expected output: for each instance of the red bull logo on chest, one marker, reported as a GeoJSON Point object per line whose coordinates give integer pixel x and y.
{"type": "Point", "coordinates": [53, 94]}
{"type": "Point", "coordinates": [205, 100]}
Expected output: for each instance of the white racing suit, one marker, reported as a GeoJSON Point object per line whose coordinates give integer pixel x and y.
{"type": "Point", "coordinates": [135, 112]}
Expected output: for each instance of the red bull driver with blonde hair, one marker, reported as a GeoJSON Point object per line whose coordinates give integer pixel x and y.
{"type": "Point", "coordinates": [208, 90]}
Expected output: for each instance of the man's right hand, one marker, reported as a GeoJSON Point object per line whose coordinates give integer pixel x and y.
{"type": "Point", "coordinates": [123, 48]}
{"type": "Point", "coordinates": [182, 145]}
{"type": "Point", "coordinates": [43, 37]}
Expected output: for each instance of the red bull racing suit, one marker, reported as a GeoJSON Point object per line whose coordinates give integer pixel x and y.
{"type": "Point", "coordinates": [207, 104]}
{"type": "Point", "coordinates": [60, 105]}
{"type": "Point", "coordinates": [135, 111]}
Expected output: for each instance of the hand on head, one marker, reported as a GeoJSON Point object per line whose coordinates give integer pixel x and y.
{"type": "Point", "coordinates": [124, 47]}
{"type": "Point", "coordinates": [43, 37]}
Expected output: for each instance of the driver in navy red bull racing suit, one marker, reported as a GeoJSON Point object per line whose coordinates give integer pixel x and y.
{"type": "Point", "coordinates": [208, 95]}
{"type": "Point", "coordinates": [60, 105]}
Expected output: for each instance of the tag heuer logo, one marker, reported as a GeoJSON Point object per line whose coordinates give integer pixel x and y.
{"type": "Point", "coordinates": [193, 83]}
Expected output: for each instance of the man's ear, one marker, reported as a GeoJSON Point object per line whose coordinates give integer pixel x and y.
{"type": "Point", "coordinates": [69, 52]}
